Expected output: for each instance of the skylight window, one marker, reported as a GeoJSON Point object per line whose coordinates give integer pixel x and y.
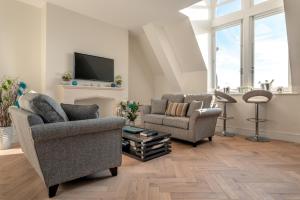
{"type": "Point", "coordinates": [227, 7]}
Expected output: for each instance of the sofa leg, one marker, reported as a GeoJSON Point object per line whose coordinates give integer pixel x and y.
{"type": "Point", "coordinates": [114, 171]}
{"type": "Point", "coordinates": [195, 144]}
{"type": "Point", "coordinates": [52, 190]}
{"type": "Point", "coordinates": [210, 138]}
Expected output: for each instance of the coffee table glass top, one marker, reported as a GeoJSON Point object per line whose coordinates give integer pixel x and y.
{"type": "Point", "coordinates": [138, 138]}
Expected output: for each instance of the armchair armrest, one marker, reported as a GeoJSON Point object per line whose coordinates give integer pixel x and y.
{"type": "Point", "coordinates": [43, 132]}
{"type": "Point", "coordinates": [145, 109]}
{"type": "Point", "coordinates": [204, 113]}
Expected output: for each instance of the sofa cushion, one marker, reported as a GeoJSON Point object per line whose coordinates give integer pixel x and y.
{"type": "Point", "coordinates": [206, 98]}
{"type": "Point", "coordinates": [171, 110]}
{"type": "Point", "coordinates": [158, 106]}
{"type": "Point", "coordinates": [80, 112]}
{"type": "Point", "coordinates": [176, 98]}
{"type": "Point", "coordinates": [195, 105]}
{"type": "Point", "coordinates": [44, 106]}
{"type": "Point", "coordinates": [154, 118]}
{"type": "Point", "coordinates": [178, 122]}
{"type": "Point", "coordinates": [181, 109]}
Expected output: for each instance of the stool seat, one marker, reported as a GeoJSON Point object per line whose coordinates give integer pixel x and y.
{"type": "Point", "coordinates": [225, 99]}
{"type": "Point", "coordinates": [257, 97]}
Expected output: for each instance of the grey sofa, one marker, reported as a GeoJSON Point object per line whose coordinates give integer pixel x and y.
{"type": "Point", "coordinates": [68, 150]}
{"type": "Point", "coordinates": [201, 124]}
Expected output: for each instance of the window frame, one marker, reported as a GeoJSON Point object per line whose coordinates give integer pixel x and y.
{"type": "Point", "coordinates": [214, 47]}
{"type": "Point", "coordinates": [246, 15]}
{"type": "Point", "coordinates": [252, 39]}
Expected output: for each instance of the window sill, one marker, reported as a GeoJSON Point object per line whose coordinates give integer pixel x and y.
{"type": "Point", "coordinates": [275, 93]}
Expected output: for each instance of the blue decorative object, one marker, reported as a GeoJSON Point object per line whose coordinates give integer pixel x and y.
{"type": "Point", "coordinates": [21, 91]}
{"type": "Point", "coordinates": [113, 85]}
{"type": "Point", "coordinates": [74, 83]}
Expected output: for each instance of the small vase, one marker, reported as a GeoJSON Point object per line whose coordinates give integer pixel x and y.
{"type": "Point", "coordinates": [5, 137]}
{"type": "Point", "coordinates": [131, 123]}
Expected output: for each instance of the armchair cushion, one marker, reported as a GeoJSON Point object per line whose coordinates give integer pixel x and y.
{"type": "Point", "coordinates": [44, 106]}
{"type": "Point", "coordinates": [158, 106]}
{"type": "Point", "coordinates": [44, 132]}
{"type": "Point", "coordinates": [80, 112]}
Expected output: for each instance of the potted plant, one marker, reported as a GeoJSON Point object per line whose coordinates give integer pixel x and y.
{"type": "Point", "coordinates": [118, 80]}
{"type": "Point", "coordinates": [129, 110]}
{"type": "Point", "coordinates": [10, 89]}
{"type": "Point", "coordinates": [67, 77]}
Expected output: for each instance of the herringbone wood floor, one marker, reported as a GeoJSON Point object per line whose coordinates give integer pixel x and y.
{"type": "Point", "coordinates": [227, 168]}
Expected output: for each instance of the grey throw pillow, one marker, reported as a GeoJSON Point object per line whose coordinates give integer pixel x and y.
{"type": "Point", "coordinates": [44, 106]}
{"type": "Point", "coordinates": [195, 105]}
{"type": "Point", "coordinates": [81, 112]}
{"type": "Point", "coordinates": [158, 106]}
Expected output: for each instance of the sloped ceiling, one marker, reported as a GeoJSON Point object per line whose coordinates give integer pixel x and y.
{"type": "Point", "coordinates": [128, 14]}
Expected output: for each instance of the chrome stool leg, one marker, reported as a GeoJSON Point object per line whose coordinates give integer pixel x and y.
{"type": "Point", "coordinates": [257, 137]}
{"type": "Point", "coordinates": [224, 117]}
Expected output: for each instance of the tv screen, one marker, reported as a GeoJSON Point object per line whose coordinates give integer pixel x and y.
{"type": "Point", "coordinates": [89, 67]}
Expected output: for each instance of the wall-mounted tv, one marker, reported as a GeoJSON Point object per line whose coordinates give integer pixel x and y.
{"type": "Point", "coordinates": [88, 67]}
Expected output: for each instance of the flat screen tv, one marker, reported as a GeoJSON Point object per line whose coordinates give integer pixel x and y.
{"type": "Point", "coordinates": [88, 67]}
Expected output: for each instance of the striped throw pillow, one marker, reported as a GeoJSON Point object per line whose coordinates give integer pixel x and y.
{"type": "Point", "coordinates": [177, 109]}
{"type": "Point", "coordinates": [171, 110]}
{"type": "Point", "coordinates": [181, 109]}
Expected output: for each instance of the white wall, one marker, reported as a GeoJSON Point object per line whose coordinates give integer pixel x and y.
{"type": "Point", "coordinates": [141, 84]}
{"type": "Point", "coordinates": [67, 32]}
{"type": "Point", "coordinates": [20, 42]}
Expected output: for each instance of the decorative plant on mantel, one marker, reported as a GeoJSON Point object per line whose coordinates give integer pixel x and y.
{"type": "Point", "coordinates": [129, 110]}
{"type": "Point", "coordinates": [67, 76]}
{"type": "Point", "coordinates": [8, 97]}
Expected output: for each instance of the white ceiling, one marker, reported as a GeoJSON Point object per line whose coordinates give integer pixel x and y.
{"type": "Point", "coordinates": [129, 14]}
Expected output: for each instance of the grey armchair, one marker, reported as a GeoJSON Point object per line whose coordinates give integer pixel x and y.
{"type": "Point", "coordinates": [68, 150]}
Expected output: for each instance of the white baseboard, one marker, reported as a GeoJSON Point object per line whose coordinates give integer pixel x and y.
{"type": "Point", "coordinates": [284, 136]}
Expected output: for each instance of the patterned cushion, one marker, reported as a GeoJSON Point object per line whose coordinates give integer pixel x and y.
{"type": "Point", "coordinates": [206, 98]}
{"type": "Point", "coordinates": [171, 110]}
{"type": "Point", "coordinates": [195, 105]}
{"type": "Point", "coordinates": [181, 109]}
{"type": "Point", "coordinates": [177, 98]}
{"type": "Point", "coordinates": [178, 122]}
{"type": "Point", "coordinates": [158, 106]}
{"type": "Point", "coordinates": [177, 109]}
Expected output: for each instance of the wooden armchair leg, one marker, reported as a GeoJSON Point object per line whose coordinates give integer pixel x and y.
{"type": "Point", "coordinates": [52, 190]}
{"type": "Point", "coordinates": [114, 171]}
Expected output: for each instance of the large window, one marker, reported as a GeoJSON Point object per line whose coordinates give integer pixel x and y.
{"type": "Point", "coordinates": [253, 51]}
{"type": "Point", "coordinates": [225, 7]}
{"type": "Point", "coordinates": [271, 60]}
{"type": "Point", "coordinates": [228, 56]}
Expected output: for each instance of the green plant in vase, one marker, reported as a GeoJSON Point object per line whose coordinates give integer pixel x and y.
{"type": "Point", "coordinates": [129, 110]}
{"type": "Point", "coordinates": [10, 89]}
{"type": "Point", "coordinates": [118, 80]}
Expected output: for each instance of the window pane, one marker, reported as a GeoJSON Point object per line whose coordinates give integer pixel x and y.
{"type": "Point", "coordinates": [255, 2]}
{"type": "Point", "coordinates": [227, 8]}
{"type": "Point", "coordinates": [271, 51]}
{"type": "Point", "coordinates": [228, 57]}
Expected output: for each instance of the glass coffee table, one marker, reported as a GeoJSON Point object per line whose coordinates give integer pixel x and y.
{"type": "Point", "coordinates": [145, 148]}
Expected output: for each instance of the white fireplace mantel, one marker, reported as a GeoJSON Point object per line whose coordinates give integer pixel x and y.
{"type": "Point", "coordinates": [73, 94]}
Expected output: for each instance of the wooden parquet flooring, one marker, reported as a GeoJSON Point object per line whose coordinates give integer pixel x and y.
{"type": "Point", "coordinates": [227, 168]}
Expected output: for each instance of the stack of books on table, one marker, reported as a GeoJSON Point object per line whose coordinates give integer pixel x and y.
{"type": "Point", "coordinates": [148, 133]}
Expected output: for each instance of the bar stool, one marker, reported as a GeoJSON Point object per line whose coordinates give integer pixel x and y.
{"type": "Point", "coordinates": [225, 99]}
{"type": "Point", "coordinates": [257, 97]}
